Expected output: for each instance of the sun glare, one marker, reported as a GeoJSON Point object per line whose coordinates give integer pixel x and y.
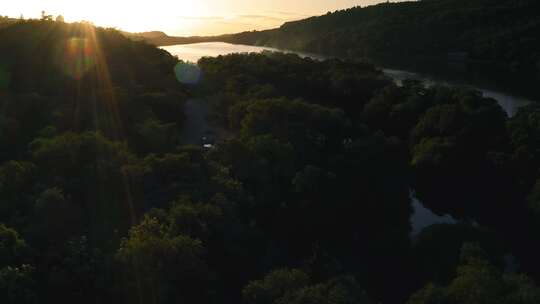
{"type": "Point", "coordinates": [132, 16]}
{"type": "Point", "coordinates": [179, 17]}
{"type": "Point", "coordinates": [79, 57]}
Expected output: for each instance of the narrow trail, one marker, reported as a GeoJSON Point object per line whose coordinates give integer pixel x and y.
{"type": "Point", "coordinates": [196, 124]}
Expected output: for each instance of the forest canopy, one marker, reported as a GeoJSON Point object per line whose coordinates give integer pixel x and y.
{"type": "Point", "coordinates": [306, 199]}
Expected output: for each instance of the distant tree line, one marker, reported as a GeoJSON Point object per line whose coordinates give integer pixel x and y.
{"type": "Point", "coordinates": [484, 41]}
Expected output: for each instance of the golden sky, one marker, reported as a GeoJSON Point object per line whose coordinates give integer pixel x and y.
{"type": "Point", "coordinates": [180, 17]}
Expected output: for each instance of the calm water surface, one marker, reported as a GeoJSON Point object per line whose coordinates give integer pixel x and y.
{"type": "Point", "coordinates": [508, 102]}
{"type": "Point", "coordinates": [422, 217]}
{"type": "Point", "coordinates": [194, 52]}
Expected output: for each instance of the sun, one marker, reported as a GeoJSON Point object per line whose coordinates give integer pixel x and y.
{"type": "Point", "coordinates": [134, 15]}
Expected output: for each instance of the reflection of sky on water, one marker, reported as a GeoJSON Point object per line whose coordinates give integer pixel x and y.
{"type": "Point", "coordinates": [423, 217]}
{"type": "Point", "coordinates": [509, 103]}
{"type": "Point", "coordinates": [194, 52]}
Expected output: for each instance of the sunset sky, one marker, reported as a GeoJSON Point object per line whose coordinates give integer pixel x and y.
{"type": "Point", "coordinates": [180, 17]}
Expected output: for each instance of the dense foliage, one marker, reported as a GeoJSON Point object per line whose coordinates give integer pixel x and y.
{"type": "Point", "coordinates": [492, 40]}
{"type": "Point", "coordinates": [306, 200]}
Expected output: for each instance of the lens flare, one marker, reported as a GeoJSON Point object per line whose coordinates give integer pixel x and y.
{"type": "Point", "coordinates": [187, 73]}
{"type": "Point", "coordinates": [79, 57]}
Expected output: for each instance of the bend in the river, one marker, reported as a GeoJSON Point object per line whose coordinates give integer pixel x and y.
{"type": "Point", "coordinates": [422, 217]}
{"type": "Point", "coordinates": [193, 52]}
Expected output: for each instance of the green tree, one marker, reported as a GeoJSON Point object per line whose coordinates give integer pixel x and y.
{"type": "Point", "coordinates": [162, 267]}
{"type": "Point", "coordinates": [91, 171]}
{"type": "Point", "coordinates": [56, 218]}
{"type": "Point", "coordinates": [294, 286]}
{"type": "Point", "coordinates": [17, 285]}
{"type": "Point", "coordinates": [80, 273]}
{"type": "Point", "coordinates": [197, 220]}
{"type": "Point", "coordinates": [477, 282]}
{"type": "Point", "coordinates": [274, 286]}
{"type": "Point", "coordinates": [341, 290]}
{"type": "Point", "coordinates": [12, 246]}
{"type": "Point", "coordinates": [16, 181]}
{"type": "Point", "coordinates": [155, 137]}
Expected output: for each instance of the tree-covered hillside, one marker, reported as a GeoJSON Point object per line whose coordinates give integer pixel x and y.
{"type": "Point", "coordinates": [306, 201]}
{"type": "Point", "coordinates": [492, 41]}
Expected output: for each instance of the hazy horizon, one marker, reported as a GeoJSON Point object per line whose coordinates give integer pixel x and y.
{"type": "Point", "coordinates": [204, 17]}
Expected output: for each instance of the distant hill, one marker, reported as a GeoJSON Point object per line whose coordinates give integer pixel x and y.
{"type": "Point", "coordinates": [486, 30]}
{"type": "Point", "coordinates": [161, 39]}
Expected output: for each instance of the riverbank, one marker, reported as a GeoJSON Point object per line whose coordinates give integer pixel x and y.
{"type": "Point", "coordinates": [193, 52]}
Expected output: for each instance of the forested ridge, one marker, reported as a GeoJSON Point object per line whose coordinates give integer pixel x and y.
{"type": "Point", "coordinates": [308, 201]}
{"type": "Point", "coordinates": [490, 42]}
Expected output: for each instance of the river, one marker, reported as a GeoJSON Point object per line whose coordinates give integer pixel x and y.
{"type": "Point", "coordinates": [194, 52]}
{"type": "Point", "coordinates": [422, 217]}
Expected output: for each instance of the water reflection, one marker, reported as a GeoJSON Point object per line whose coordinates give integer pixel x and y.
{"type": "Point", "coordinates": [195, 51]}
{"type": "Point", "coordinates": [509, 103]}
{"type": "Point", "coordinates": [423, 217]}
